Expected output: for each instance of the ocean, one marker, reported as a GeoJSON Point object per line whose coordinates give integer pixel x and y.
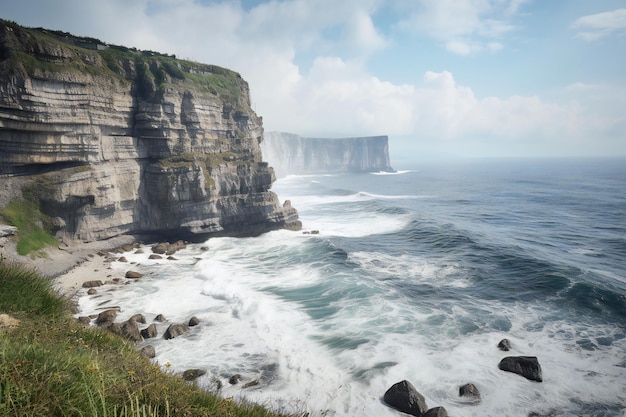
{"type": "Point", "coordinates": [414, 275]}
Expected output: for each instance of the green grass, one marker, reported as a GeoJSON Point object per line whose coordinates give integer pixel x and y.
{"type": "Point", "coordinates": [50, 365]}
{"type": "Point", "coordinates": [33, 226]}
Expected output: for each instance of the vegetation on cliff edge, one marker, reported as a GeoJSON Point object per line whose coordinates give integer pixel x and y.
{"type": "Point", "coordinates": [50, 51]}
{"type": "Point", "coordinates": [50, 365]}
{"type": "Point", "coordinates": [33, 227]}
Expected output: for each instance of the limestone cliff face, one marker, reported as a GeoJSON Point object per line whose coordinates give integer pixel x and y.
{"type": "Point", "coordinates": [116, 141]}
{"type": "Point", "coordinates": [293, 154]}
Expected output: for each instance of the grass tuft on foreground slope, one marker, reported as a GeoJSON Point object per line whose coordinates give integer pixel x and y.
{"type": "Point", "coordinates": [50, 365]}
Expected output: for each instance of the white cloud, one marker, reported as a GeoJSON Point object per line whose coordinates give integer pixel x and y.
{"type": "Point", "coordinates": [338, 95]}
{"type": "Point", "coordinates": [600, 25]}
{"type": "Point", "coordinates": [465, 26]}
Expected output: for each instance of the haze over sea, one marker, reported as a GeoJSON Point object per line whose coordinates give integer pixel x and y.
{"type": "Point", "coordinates": [414, 275]}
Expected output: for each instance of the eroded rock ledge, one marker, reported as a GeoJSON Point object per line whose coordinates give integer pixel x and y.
{"type": "Point", "coordinates": [112, 141]}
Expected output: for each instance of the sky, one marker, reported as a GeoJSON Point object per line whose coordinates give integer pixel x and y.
{"type": "Point", "coordinates": [478, 78]}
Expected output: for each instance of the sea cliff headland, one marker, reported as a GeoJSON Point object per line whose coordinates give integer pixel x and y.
{"type": "Point", "coordinates": [108, 142]}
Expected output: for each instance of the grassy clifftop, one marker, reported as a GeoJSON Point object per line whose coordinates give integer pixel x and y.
{"type": "Point", "coordinates": [50, 365]}
{"type": "Point", "coordinates": [37, 51]}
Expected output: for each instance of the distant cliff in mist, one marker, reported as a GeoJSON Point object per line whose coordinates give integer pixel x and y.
{"type": "Point", "coordinates": [292, 154]}
{"type": "Point", "coordinates": [108, 140]}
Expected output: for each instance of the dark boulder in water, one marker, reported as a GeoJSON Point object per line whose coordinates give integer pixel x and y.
{"type": "Point", "coordinates": [504, 345]}
{"type": "Point", "coordinates": [106, 317]}
{"type": "Point", "coordinates": [470, 392]}
{"type": "Point", "coordinates": [148, 351]}
{"type": "Point", "coordinates": [526, 366]}
{"type": "Point", "coordinates": [192, 374]}
{"type": "Point", "coordinates": [175, 330]}
{"type": "Point", "coordinates": [404, 397]}
{"type": "Point", "coordinates": [149, 332]}
{"type": "Point", "coordinates": [436, 412]}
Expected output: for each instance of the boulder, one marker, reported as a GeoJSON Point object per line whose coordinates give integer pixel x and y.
{"type": "Point", "coordinates": [149, 332]}
{"type": "Point", "coordinates": [148, 351]}
{"type": "Point", "coordinates": [191, 374]}
{"type": "Point", "coordinates": [160, 318]}
{"type": "Point", "coordinates": [166, 248]}
{"type": "Point", "coordinates": [122, 259]}
{"type": "Point", "coordinates": [404, 397]}
{"type": "Point", "coordinates": [154, 256]}
{"type": "Point", "coordinates": [234, 379]}
{"type": "Point", "coordinates": [115, 328]}
{"type": "Point", "coordinates": [91, 284]}
{"type": "Point", "coordinates": [469, 391]}
{"type": "Point", "coordinates": [252, 383]}
{"type": "Point", "coordinates": [84, 320]}
{"type": "Point", "coordinates": [160, 248]}
{"type": "Point", "coordinates": [130, 330]}
{"type": "Point", "coordinates": [139, 251]}
{"type": "Point", "coordinates": [526, 366]}
{"type": "Point", "coordinates": [92, 291]}
{"type": "Point", "coordinates": [174, 247]}
{"type": "Point", "coordinates": [436, 412]}
{"type": "Point", "coordinates": [504, 345]}
{"type": "Point", "coordinates": [175, 330]}
{"type": "Point", "coordinates": [194, 321]}
{"type": "Point", "coordinates": [133, 274]}
{"type": "Point", "coordinates": [138, 318]}
{"type": "Point", "coordinates": [106, 317]}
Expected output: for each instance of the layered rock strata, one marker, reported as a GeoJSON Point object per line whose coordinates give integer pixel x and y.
{"type": "Point", "coordinates": [292, 154]}
{"type": "Point", "coordinates": [111, 141]}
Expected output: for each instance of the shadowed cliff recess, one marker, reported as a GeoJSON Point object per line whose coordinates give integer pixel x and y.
{"type": "Point", "coordinates": [109, 140]}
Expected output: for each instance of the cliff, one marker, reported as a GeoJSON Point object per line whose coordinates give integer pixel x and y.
{"type": "Point", "coordinates": [110, 141]}
{"type": "Point", "coordinates": [293, 154]}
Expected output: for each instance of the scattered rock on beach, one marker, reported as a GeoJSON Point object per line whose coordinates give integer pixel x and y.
{"type": "Point", "coordinates": [93, 283]}
{"type": "Point", "coordinates": [194, 321]}
{"type": "Point", "coordinates": [404, 397]}
{"type": "Point", "coordinates": [160, 318]}
{"type": "Point", "coordinates": [166, 248]}
{"type": "Point", "coordinates": [133, 274]}
{"type": "Point", "coordinates": [92, 291]}
{"type": "Point", "coordinates": [233, 380]}
{"type": "Point", "coordinates": [154, 256]}
{"type": "Point", "coordinates": [122, 259]}
{"type": "Point", "coordinates": [526, 366]}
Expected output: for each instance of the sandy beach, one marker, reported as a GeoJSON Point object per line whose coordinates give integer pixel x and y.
{"type": "Point", "coordinates": [69, 266]}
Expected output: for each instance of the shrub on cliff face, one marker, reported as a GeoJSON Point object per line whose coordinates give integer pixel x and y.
{"type": "Point", "coordinates": [34, 229]}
